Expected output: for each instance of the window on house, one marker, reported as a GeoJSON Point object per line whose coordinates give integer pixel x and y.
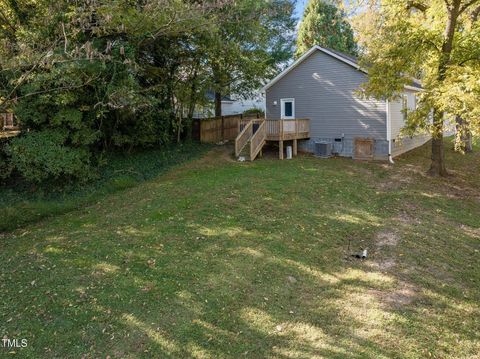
{"type": "Point", "coordinates": [288, 108]}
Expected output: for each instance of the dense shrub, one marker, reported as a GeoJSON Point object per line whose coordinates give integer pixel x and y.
{"type": "Point", "coordinates": [253, 111]}
{"type": "Point", "coordinates": [42, 155]}
{"type": "Point", "coordinates": [5, 164]}
{"type": "Point", "coordinates": [86, 78]}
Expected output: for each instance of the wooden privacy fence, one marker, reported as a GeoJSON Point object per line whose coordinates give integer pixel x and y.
{"type": "Point", "coordinates": [216, 129]}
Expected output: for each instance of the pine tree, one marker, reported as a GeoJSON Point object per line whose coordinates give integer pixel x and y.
{"type": "Point", "coordinates": [326, 25]}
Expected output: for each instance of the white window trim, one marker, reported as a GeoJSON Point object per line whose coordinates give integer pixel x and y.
{"type": "Point", "coordinates": [282, 108]}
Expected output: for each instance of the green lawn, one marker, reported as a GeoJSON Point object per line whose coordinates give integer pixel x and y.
{"type": "Point", "coordinates": [219, 259]}
{"type": "Point", "coordinates": [21, 203]}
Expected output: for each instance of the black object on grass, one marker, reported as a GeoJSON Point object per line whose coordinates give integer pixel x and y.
{"type": "Point", "coordinates": [361, 255]}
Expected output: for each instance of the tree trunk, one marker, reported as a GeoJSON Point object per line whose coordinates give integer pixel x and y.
{"type": "Point", "coordinates": [218, 104]}
{"type": "Point", "coordinates": [189, 119]}
{"type": "Point", "coordinates": [192, 104]}
{"type": "Point", "coordinates": [179, 128]}
{"type": "Point", "coordinates": [463, 137]}
{"type": "Point", "coordinates": [437, 168]}
{"type": "Point", "coordinates": [468, 142]}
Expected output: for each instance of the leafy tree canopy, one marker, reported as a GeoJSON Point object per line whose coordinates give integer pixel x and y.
{"type": "Point", "coordinates": [437, 41]}
{"type": "Point", "coordinates": [102, 74]}
{"type": "Point", "coordinates": [325, 24]}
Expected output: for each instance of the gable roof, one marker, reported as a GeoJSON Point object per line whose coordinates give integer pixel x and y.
{"type": "Point", "coordinates": [347, 59]}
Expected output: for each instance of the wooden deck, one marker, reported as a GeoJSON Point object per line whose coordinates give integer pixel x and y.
{"type": "Point", "coordinates": [270, 130]}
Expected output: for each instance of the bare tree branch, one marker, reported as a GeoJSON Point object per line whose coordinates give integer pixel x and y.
{"type": "Point", "coordinates": [62, 88]}
{"type": "Point", "coordinates": [24, 77]}
{"type": "Point", "coordinates": [475, 14]}
{"type": "Point", "coordinates": [6, 21]}
{"type": "Point", "coordinates": [417, 5]}
{"type": "Point", "coordinates": [467, 5]}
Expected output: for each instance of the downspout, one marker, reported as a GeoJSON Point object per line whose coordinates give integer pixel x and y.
{"type": "Point", "coordinates": [389, 134]}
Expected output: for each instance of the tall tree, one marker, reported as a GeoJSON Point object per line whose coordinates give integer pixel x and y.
{"type": "Point", "coordinates": [86, 76]}
{"type": "Point", "coordinates": [325, 24]}
{"type": "Point", "coordinates": [252, 38]}
{"type": "Point", "coordinates": [437, 40]}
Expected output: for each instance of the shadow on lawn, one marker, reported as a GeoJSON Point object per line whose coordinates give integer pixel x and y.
{"type": "Point", "coordinates": [262, 272]}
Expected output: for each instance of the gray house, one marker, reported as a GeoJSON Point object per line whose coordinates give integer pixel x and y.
{"type": "Point", "coordinates": [322, 86]}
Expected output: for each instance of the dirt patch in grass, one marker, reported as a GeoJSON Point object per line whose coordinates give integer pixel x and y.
{"type": "Point", "coordinates": [383, 265]}
{"type": "Point", "coordinates": [405, 218]}
{"type": "Point", "coordinates": [386, 238]}
{"type": "Point", "coordinates": [473, 232]}
{"type": "Point", "coordinates": [403, 295]}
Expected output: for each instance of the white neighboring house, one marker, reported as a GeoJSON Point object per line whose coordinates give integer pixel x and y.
{"type": "Point", "coordinates": [235, 107]}
{"type": "Point", "coordinates": [231, 105]}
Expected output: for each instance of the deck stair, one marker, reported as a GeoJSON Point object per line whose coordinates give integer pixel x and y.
{"type": "Point", "coordinates": [250, 141]}
{"type": "Point", "coordinates": [254, 133]}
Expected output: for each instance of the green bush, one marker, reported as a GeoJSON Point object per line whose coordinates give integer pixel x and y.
{"type": "Point", "coordinates": [5, 164]}
{"type": "Point", "coordinates": [42, 155]}
{"type": "Point", "coordinates": [253, 111]}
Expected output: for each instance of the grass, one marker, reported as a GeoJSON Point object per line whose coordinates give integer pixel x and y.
{"type": "Point", "coordinates": [21, 204]}
{"type": "Point", "coordinates": [219, 259]}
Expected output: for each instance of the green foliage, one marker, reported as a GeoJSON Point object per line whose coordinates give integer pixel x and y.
{"type": "Point", "coordinates": [120, 74]}
{"type": "Point", "coordinates": [42, 155]}
{"type": "Point", "coordinates": [6, 165]}
{"type": "Point", "coordinates": [326, 25]}
{"type": "Point", "coordinates": [251, 40]}
{"type": "Point", "coordinates": [253, 111]}
{"type": "Point", "coordinates": [438, 44]}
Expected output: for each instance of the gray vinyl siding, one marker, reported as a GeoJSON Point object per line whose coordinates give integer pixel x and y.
{"type": "Point", "coordinates": [324, 89]}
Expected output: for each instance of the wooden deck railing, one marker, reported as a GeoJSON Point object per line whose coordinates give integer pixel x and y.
{"type": "Point", "coordinates": [243, 137]}
{"type": "Point", "coordinates": [282, 130]}
{"type": "Point", "coordinates": [7, 121]}
{"type": "Point", "coordinates": [258, 140]}
{"type": "Point", "coordinates": [259, 131]}
{"type": "Point", "coordinates": [244, 121]}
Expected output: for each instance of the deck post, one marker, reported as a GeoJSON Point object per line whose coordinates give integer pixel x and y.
{"type": "Point", "coordinates": [295, 147]}
{"type": "Point", "coordinates": [280, 149]}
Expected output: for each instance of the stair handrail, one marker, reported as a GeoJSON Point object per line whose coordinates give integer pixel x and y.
{"type": "Point", "coordinates": [243, 137]}
{"type": "Point", "coordinates": [257, 140]}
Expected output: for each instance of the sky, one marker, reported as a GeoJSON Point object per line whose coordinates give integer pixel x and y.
{"type": "Point", "coordinates": [299, 6]}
